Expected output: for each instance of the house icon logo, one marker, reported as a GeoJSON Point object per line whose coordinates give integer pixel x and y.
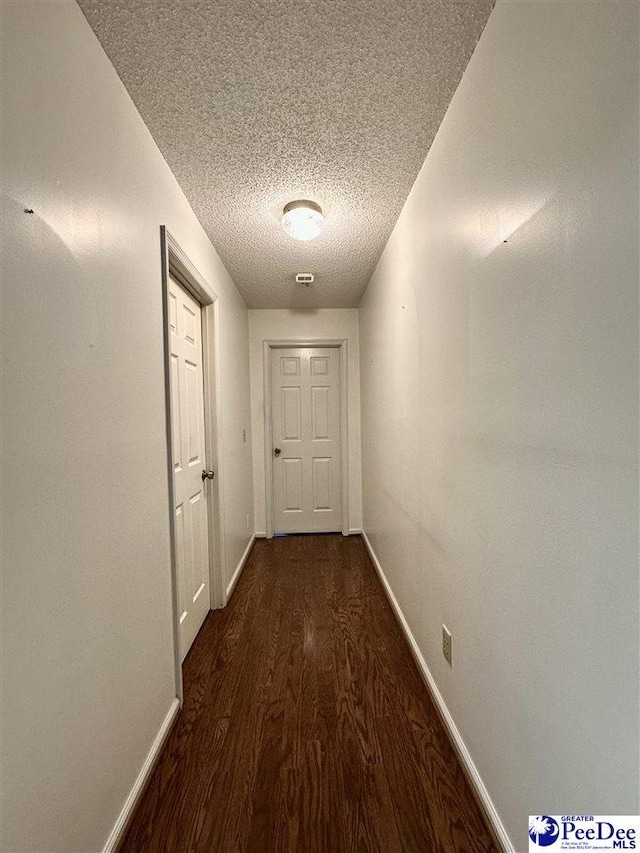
{"type": "Point", "coordinates": [543, 830]}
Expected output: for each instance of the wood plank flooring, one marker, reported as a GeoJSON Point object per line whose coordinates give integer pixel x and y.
{"type": "Point", "coordinates": [306, 726]}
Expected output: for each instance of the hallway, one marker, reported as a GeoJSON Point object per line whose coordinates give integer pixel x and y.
{"type": "Point", "coordinates": [306, 725]}
{"type": "Point", "coordinates": [469, 171]}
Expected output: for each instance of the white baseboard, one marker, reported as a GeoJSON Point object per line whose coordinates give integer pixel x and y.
{"type": "Point", "coordinates": [459, 745]}
{"type": "Point", "coordinates": [353, 531]}
{"type": "Point", "coordinates": [236, 575]}
{"type": "Point", "coordinates": [139, 785]}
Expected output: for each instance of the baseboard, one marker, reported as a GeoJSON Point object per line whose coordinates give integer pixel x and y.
{"type": "Point", "coordinates": [459, 745]}
{"type": "Point", "coordinates": [139, 785]}
{"type": "Point", "coordinates": [236, 575]}
{"type": "Point", "coordinates": [353, 531]}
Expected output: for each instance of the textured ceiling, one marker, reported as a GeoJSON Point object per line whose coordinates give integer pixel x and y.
{"type": "Point", "coordinates": [255, 103]}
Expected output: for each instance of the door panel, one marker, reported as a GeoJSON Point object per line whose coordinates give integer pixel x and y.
{"type": "Point", "coordinates": [290, 366]}
{"type": "Point", "coordinates": [322, 484]}
{"type": "Point", "coordinates": [193, 413]}
{"type": "Point", "coordinates": [180, 561]}
{"type": "Point", "coordinates": [187, 428]}
{"type": "Point", "coordinates": [320, 413]}
{"type": "Point", "coordinates": [291, 414]}
{"type": "Point", "coordinates": [319, 366]}
{"type": "Point", "coordinates": [307, 487]}
{"type": "Point", "coordinates": [176, 432]}
{"type": "Point", "coordinates": [292, 475]}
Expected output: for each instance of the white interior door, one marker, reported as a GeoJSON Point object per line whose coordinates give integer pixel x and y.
{"type": "Point", "coordinates": [306, 453]}
{"type": "Point", "coordinates": [189, 488]}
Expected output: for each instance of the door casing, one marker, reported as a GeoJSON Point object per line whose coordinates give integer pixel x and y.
{"type": "Point", "coordinates": [176, 262]}
{"type": "Point", "coordinates": [267, 357]}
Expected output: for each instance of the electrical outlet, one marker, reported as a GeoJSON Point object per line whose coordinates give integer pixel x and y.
{"type": "Point", "coordinates": [247, 521]}
{"type": "Point", "coordinates": [446, 644]}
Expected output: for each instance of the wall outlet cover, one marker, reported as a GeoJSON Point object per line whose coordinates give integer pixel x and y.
{"type": "Point", "coordinates": [446, 644]}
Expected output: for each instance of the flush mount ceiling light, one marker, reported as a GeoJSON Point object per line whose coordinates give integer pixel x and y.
{"type": "Point", "coordinates": [302, 220]}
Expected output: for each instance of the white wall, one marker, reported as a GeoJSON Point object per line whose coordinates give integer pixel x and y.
{"type": "Point", "coordinates": [504, 378]}
{"type": "Point", "coordinates": [88, 671]}
{"type": "Point", "coordinates": [301, 325]}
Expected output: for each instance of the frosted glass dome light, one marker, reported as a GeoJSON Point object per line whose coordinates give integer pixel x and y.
{"type": "Point", "coordinates": [302, 220]}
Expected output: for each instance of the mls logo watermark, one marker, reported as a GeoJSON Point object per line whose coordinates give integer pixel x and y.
{"type": "Point", "coordinates": [543, 830]}
{"type": "Point", "coordinates": [583, 832]}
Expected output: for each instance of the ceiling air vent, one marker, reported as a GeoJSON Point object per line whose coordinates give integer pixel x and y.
{"type": "Point", "coordinates": [305, 278]}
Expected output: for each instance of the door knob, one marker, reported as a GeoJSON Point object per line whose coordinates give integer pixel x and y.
{"type": "Point", "coordinates": [277, 451]}
{"type": "Point", "coordinates": [207, 475]}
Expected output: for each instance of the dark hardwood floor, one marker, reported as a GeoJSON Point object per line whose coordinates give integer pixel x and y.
{"type": "Point", "coordinates": [306, 726]}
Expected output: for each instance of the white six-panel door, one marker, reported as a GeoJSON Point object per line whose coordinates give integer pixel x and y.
{"type": "Point", "coordinates": [190, 492]}
{"type": "Point", "coordinates": [305, 404]}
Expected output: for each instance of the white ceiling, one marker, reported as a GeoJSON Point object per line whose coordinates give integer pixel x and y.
{"type": "Point", "coordinates": [255, 103]}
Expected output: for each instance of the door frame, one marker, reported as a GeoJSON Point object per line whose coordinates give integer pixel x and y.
{"type": "Point", "coordinates": [175, 262]}
{"type": "Point", "coordinates": [268, 348]}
